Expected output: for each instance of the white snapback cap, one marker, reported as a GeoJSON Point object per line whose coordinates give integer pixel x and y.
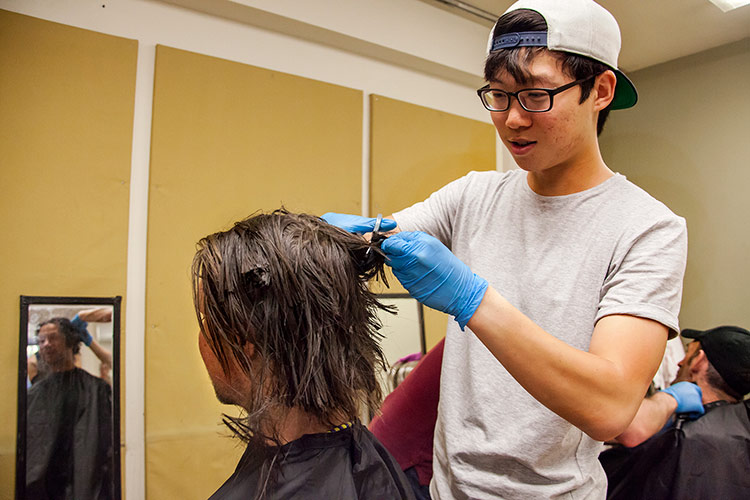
{"type": "Point", "coordinates": [580, 27]}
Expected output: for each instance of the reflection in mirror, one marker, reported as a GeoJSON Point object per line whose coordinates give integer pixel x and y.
{"type": "Point", "coordinates": [68, 399]}
{"type": "Point", "coordinates": [403, 333]}
{"type": "Point", "coordinates": [403, 340]}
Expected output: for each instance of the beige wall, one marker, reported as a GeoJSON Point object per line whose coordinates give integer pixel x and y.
{"type": "Point", "coordinates": [228, 139]}
{"type": "Point", "coordinates": [66, 116]}
{"type": "Point", "coordinates": [423, 149]}
{"type": "Point", "coordinates": [687, 142]}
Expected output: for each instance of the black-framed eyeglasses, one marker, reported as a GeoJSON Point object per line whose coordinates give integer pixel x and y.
{"type": "Point", "coordinates": [532, 100]}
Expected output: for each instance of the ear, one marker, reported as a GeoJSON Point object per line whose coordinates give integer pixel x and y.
{"type": "Point", "coordinates": [604, 89]}
{"type": "Point", "coordinates": [699, 363]}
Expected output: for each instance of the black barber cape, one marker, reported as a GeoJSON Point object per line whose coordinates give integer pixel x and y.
{"type": "Point", "coordinates": [700, 459]}
{"type": "Point", "coordinates": [347, 464]}
{"type": "Point", "coordinates": [69, 438]}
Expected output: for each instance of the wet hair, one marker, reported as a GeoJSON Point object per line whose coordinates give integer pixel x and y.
{"type": "Point", "coordinates": [67, 330]}
{"type": "Point", "coordinates": [295, 288]}
{"type": "Point", "coordinates": [515, 61]}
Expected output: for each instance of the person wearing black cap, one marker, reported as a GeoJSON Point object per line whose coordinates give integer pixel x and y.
{"type": "Point", "coordinates": [568, 276]}
{"type": "Point", "coordinates": [716, 367]}
{"type": "Point", "coordinates": [691, 440]}
{"type": "Point", "coordinates": [728, 350]}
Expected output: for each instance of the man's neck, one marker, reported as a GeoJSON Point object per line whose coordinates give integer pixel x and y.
{"type": "Point", "coordinates": [711, 395]}
{"type": "Point", "coordinates": [296, 423]}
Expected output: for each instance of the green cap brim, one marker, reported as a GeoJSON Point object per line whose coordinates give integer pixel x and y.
{"type": "Point", "coordinates": [625, 94]}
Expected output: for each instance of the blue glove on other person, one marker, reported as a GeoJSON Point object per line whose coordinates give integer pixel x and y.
{"type": "Point", "coordinates": [689, 398]}
{"type": "Point", "coordinates": [81, 328]}
{"type": "Point", "coordinates": [433, 275]}
{"type": "Point", "coordinates": [356, 223]}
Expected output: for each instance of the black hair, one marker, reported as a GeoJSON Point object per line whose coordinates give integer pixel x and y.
{"type": "Point", "coordinates": [296, 288]}
{"type": "Point", "coordinates": [715, 380]}
{"type": "Point", "coordinates": [515, 61]}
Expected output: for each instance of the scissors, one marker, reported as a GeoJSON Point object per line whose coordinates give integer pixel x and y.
{"type": "Point", "coordinates": [376, 229]}
{"type": "Point", "coordinates": [377, 236]}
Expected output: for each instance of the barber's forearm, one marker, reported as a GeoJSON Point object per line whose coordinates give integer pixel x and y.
{"type": "Point", "coordinates": [103, 354]}
{"type": "Point", "coordinates": [98, 315]}
{"type": "Point", "coordinates": [593, 393]}
{"type": "Point", "coordinates": [652, 415]}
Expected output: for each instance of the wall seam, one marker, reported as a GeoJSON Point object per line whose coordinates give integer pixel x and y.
{"type": "Point", "coordinates": [366, 149]}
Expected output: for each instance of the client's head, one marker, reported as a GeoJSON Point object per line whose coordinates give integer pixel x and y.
{"type": "Point", "coordinates": [58, 343]}
{"type": "Point", "coordinates": [287, 321]}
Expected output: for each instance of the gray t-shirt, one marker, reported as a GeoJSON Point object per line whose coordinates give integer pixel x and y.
{"type": "Point", "coordinates": [564, 261]}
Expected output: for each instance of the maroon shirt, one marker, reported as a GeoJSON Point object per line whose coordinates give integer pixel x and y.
{"type": "Point", "coordinates": [407, 424]}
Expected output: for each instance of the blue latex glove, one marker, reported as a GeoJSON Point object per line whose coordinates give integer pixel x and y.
{"type": "Point", "coordinates": [356, 223]}
{"type": "Point", "coordinates": [81, 328]}
{"type": "Point", "coordinates": [689, 399]}
{"type": "Point", "coordinates": [433, 275]}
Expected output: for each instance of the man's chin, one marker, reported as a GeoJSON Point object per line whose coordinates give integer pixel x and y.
{"type": "Point", "coordinates": [224, 396]}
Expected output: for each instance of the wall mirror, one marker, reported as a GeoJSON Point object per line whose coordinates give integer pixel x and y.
{"type": "Point", "coordinates": [403, 332]}
{"type": "Point", "coordinates": [403, 337]}
{"type": "Point", "coordinates": [68, 399]}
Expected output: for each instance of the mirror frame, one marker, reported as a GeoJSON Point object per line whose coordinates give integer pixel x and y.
{"type": "Point", "coordinates": [25, 302]}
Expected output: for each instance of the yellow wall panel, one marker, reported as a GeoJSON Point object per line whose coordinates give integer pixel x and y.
{"type": "Point", "coordinates": [228, 139]}
{"type": "Point", "coordinates": [66, 117]}
{"type": "Point", "coordinates": [414, 152]}
{"type": "Point", "coordinates": [417, 150]}
{"type": "Point", "coordinates": [195, 452]}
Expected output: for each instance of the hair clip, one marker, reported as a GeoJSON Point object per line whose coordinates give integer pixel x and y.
{"type": "Point", "coordinates": [256, 278]}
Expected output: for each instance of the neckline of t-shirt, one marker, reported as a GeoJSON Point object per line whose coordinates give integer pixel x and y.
{"type": "Point", "coordinates": [616, 177]}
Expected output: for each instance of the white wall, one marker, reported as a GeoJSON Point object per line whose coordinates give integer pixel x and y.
{"type": "Point", "coordinates": [686, 142]}
{"type": "Point", "coordinates": [402, 49]}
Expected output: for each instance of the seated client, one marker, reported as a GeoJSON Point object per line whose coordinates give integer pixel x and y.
{"type": "Point", "coordinates": [289, 333]}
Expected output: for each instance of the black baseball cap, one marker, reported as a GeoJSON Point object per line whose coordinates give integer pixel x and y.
{"type": "Point", "coordinates": [728, 350]}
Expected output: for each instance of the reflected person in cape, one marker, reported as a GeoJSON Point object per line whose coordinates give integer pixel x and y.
{"type": "Point", "coordinates": [69, 423]}
{"type": "Point", "coordinates": [37, 368]}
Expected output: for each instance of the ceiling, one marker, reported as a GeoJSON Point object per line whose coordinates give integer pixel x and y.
{"type": "Point", "coordinates": [653, 32]}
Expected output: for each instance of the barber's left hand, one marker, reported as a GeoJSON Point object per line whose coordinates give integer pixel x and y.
{"type": "Point", "coordinates": [433, 275]}
{"type": "Point", "coordinates": [689, 399]}
{"type": "Point", "coordinates": [82, 329]}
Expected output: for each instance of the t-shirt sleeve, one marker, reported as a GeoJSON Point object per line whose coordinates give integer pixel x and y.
{"type": "Point", "coordinates": [436, 214]}
{"type": "Point", "coordinates": [645, 277]}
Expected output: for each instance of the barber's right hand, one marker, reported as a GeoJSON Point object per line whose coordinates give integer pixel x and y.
{"type": "Point", "coordinates": [689, 399]}
{"type": "Point", "coordinates": [356, 223]}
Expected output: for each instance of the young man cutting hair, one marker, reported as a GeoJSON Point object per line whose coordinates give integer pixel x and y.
{"type": "Point", "coordinates": [567, 275]}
